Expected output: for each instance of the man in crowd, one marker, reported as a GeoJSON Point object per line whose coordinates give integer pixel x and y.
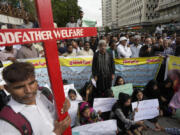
{"type": "Point", "coordinates": [76, 48]}
{"type": "Point", "coordinates": [123, 49]}
{"type": "Point", "coordinates": [27, 24]}
{"type": "Point", "coordinates": [86, 51]}
{"type": "Point", "coordinates": [80, 21]}
{"type": "Point", "coordinates": [72, 22]}
{"type": "Point", "coordinates": [103, 70]}
{"type": "Point", "coordinates": [148, 41]}
{"type": "Point", "coordinates": [69, 51]}
{"type": "Point", "coordinates": [29, 104]}
{"type": "Point", "coordinates": [177, 50]}
{"type": "Point", "coordinates": [93, 43]}
{"type": "Point", "coordinates": [113, 49]}
{"type": "Point", "coordinates": [9, 53]}
{"type": "Point", "coordinates": [135, 48]}
{"type": "Point", "coordinates": [27, 51]}
{"type": "Point", "coordinates": [167, 49]}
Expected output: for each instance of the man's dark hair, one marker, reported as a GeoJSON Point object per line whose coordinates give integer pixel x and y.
{"type": "Point", "coordinates": [80, 12]}
{"type": "Point", "coordinates": [69, 44]}
{"type": "Point", "coordinates": [86, 42]}
{"type": "Point", "coordinates": [71, 91]}
{"type": "Point", "coordinates": [17, 72]}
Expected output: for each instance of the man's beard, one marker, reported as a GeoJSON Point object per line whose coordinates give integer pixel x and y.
{"type": "Point", "coordinates": [27, 99]}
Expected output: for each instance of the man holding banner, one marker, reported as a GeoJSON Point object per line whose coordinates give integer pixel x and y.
{"type": "Point", "coordinates": [103, 70]}
{"type": "Point", "coordinates": [29, 111]}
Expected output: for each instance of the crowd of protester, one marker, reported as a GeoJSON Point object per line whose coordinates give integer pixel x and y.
{"type": "Point", "coordinates": [104, 49]}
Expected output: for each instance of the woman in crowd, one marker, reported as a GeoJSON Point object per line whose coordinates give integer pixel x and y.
{"type": "Point", "coordinates": [122, 112]}
{"type": "Point", "coordinates": [139, 96]}
{"type": "Point", "coordinates": [152, 91]}
{"type": "Point", "coordinates": [167, 91]}
{"type": "Point", "coordinates": [119, 81]}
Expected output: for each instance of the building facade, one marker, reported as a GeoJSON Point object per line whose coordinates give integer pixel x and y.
{"type": "Point", "coordinates": [169, 10]}
{"type": "Point", "coordinates": [110, 13]}
{"type": "Point", "coordinates": [136, 12]}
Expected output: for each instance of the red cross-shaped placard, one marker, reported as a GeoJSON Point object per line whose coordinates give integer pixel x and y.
{"type": "Point", "coordinates": [47, 34]}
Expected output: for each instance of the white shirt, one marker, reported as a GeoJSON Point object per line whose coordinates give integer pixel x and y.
{"type": "Point", "coordinates": [85, 53]}
{"type": "Point", "coordinates": [71, 25]}
{"type": "Point", "coordinates": [159, 30]}
{"type": "Point", "coordinates": [124, 51]}
{"type": "Point", "coordinates": [135, 50]}
{"type": "Point", "coordinates": [76, 50]}
{"type": "Point", "coordinates": [41, 116]}
{"type": "Point", "coordinates": [79, 22]}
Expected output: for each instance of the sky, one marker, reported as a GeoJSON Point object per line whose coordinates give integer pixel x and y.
{"type": "Point", "coordinates": [92, 10]}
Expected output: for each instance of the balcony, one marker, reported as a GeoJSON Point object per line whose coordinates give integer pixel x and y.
{"type": "Point", "coordinates": [169, 4]}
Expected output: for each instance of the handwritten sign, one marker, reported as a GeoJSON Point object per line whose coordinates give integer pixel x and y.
{"type": "Point", "coordinates": [147, 109]}
{"type": "Point", "coordinates": [73, 112]}
{"type": "Point", "coordinates": [100, 128]}
{"type": "Point", "coordinates": [127, 88]}
{"type": "Point", "coordinates": [103, 104]}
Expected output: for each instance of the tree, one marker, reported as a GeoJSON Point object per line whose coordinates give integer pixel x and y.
{"type": "Point", "coordinates": [63, 10]}
{"type": "Point", "coordinates": [107, 29]}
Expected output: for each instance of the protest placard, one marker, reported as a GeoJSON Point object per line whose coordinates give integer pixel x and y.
{"type": "Point", "coordinates": [103, 104]}
{"type": "Point", "coordinates": [127, 88]}
{"type": "Point", "coordinates": [138, 71]}
{"type": "Point", "coordinates": [100, 128]}
{"type": "Point", "coordinates": [73, 111]}
{"type": "Point", "coordinates": [147, 109]}
{"type": "Point", "coordinates": [2, 82]}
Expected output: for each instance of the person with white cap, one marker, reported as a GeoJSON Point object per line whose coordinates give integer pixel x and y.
{"type": "Point", "coordinates": [135, 48]}
{"type": "Point", "coordinates": [123, 49]}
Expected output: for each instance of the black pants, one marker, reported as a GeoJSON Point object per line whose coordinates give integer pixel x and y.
{"type": "Point", "coordinates": [104, 84]}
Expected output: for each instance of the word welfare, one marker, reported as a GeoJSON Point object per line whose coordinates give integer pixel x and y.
{"type": "Point", "coordinates": [39, 35]}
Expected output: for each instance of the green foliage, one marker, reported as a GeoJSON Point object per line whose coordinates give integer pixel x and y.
{"type": "Point", "coordinates": [107, 29]}
{"type": "Point", "coordinates": [63, 10]}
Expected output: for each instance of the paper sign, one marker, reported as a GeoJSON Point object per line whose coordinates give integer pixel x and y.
{"type": "Point", "coordinates": [2, 82]}
{"type": "Point", "coordinates": [73, 112]}
{"type": "Point", "coordinates": [93, 82]}
{"type": "Point", "coordinates": [100, 128]}
{"type": "Point", "coordinates": [175, 101]}
{"type": "Point", "coordinates": [75, 133]}
{"type": "Point", "coordinates": [71, 86]}
{"type": "Point", "coordinates": [147, 109]}
{"type": "Point", "coordinates": [103, 104]}
{"type": "Point", "coordinates": [127, 88]}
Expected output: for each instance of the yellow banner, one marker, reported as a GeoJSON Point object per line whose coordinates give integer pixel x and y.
{"type": "Point", "coordinates": [87, 61]}
{"type": "Point", "coordinates": [69, 62]}
{"type": "Point", "coordinates": [139, 61]}
{"type": "Point", "coordinates": [173, 63]}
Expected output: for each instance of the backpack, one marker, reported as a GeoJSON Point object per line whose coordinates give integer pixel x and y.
{"type": "Point", "coordinates": [17, 119]}
{"type": "Point", "coordinates": [3, 99]}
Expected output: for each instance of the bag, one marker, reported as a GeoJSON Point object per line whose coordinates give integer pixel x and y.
{"type": "Point", "coordinates": [17, 119]}
{"type": "Point", "coordinates": [3, 99]}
